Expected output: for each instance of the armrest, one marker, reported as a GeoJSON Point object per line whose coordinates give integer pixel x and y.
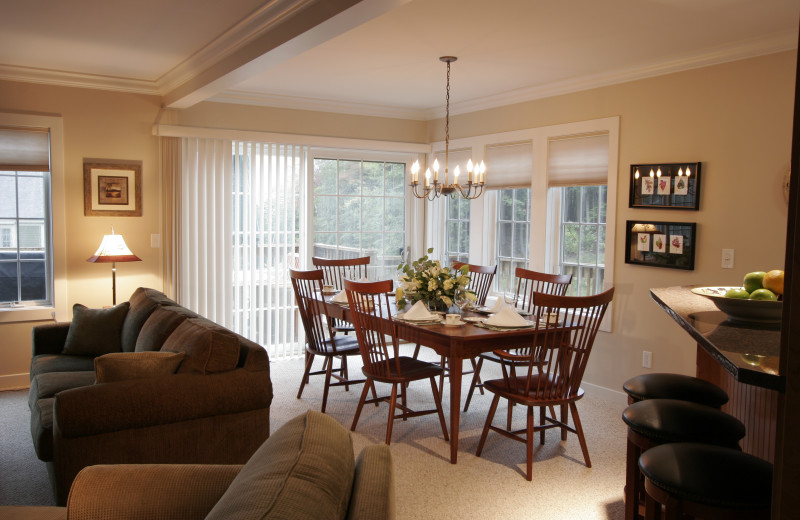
{"type": "Point", "coordinates": [373, 485]}
{"type": "Point", "coordinates": [158, 400]}
{"type": "Point", "coordinates": [49, 338]}
{"type": "Point", "coordinates": [127, 491]}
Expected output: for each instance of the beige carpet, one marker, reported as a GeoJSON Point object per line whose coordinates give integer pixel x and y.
{"type": "Point", "coordinates": [492, 486]}
{"type": "Point", "coordinates": [427, 485]}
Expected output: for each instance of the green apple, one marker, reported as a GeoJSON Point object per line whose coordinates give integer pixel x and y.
{"type": "Point", "coordinates": [737, 292]}
{"type": "Point", "coordinates": [763, 294]}
{"type": "Point", "coordinates": [753, 281]}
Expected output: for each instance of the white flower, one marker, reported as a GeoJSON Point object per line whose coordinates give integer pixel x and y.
{"type": "Point", "coordinates": [433, 284]}
{"type": "Point", "coordinates": [448, 284]}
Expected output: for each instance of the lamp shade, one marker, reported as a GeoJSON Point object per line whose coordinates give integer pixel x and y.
{"type": "Point", "coordinates": [113, 249]}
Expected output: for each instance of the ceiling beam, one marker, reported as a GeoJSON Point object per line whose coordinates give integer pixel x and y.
{"type": "Point", "coordinates": [279, 31]}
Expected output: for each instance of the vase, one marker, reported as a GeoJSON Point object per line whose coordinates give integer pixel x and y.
{"type": "Point", "coordinates": [437, 305]}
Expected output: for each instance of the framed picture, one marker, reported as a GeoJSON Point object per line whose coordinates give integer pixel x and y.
{"type": "Point", "coordinates": [112, 189]}
{"type": "Point", "coordinates": [660, 244]}
{"type": "Point", "coordinates": [671, 186]}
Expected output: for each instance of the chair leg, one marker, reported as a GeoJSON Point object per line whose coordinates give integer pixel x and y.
{"type": "Point", "coordinates": [345, 374]}
{"type": "Point", "coordinates": [304, 380]}
{"type": "Point", "coordinates": [579, 430]}
{"type": "Point", "coordinates": [416, 351]}
{"type": "Point", "coordinates": [564, 419]}
{"type": "Point", "coordinates": [403, 400]}
{"type": "Point", "coordinates": [474, 367]}
{"type": "Point", "coordinates": [541, 422]}
{"type": "Point", "coordinates": [529, 443]}
{"type": "Point", "coordinates": [443, 364]}
{"type": "Point", "coordinates": [369, 383]}
{"type": "Point", "coordinates": [510, 415]}
{"type": "Point", "coordinates": [437, 399]}
{"type": "Point", "coordinates": [492, 410]}
{"type": "Point", "coordinates": [328, 372]}
{"type": "Point", "coordinates": [392, 405]}
{"type": "Point", "coordinates": [476, 379]}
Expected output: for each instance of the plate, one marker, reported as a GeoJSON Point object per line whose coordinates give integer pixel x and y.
{"type": "Point", "coordinates": [473, 319]}
{"type": "Point", "coordinates": [328, 293]}
{"type": "Point", "coordinates": [402, 317]}
{"type": "Point", "coordinates": [528, 323]}
{"type": "Point", "coordinates": [458, 324]}
{"type": "Point", "coordinates": [759, 311]}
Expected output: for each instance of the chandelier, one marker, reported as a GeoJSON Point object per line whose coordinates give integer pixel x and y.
{"type": "Point", "coordinates": [432, 186]}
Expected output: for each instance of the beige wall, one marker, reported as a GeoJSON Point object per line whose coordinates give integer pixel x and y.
{"type": "Point", "coordinates": [735, 118]}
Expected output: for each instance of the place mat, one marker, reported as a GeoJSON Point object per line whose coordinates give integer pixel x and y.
{"type": "Point", "coordinates": [429, 321]}
{"type": "Point", "coordinates": [487, 311]}
{"type": "Point", "coordinates": [505, 329]}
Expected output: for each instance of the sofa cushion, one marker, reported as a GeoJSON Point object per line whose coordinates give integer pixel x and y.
{"type": "Point", "coordinates": [143, 302]}
{"type": "Point", "coordinates": [302, 471]}
{"type": "Point", "coordinates": [209, 348]}
{"type": "Point", "coordinates": [46, 363]}
{"type": "Point", "coordinates": [162, 322]}
{"type": "Point", "coordinates": [94, 332]}
{"type": "Point", "coordinates": [42, 428]}
{"type": "Point", "coordinates": [121, 366]}
{"type": "Point", "coordinates": [373, 486]}
{"type": "Point", "coordinates": [50, 383]}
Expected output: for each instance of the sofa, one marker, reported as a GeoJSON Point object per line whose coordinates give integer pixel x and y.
{"type": "Point", "coordinates": [305, 470]}
{"type": "Point", "coordinates": [145, 381]}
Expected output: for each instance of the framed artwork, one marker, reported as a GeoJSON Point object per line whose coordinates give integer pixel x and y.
{"type": "Point", "coordinates": [669, 185]}
{"type": "Point", "coordinates": [660, 244]}
{"type": "Point", "coordinates": [112, 189]}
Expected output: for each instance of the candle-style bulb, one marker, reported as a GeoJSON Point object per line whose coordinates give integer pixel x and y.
{"type": "Point", "coordinates": [436, 165]}
{"type": "Point", "coordinates": [688, 171]}
{"type": "Point", "coordinates": [636, 174]}
{"type": "Point", "coordinates": [658, 173]}
{"type": "Point", "coordinates": [680, 172]}
{"type": "Point", "coordinates": [652, 173]}
{"type": "Point", "coordinates": [456, 172]}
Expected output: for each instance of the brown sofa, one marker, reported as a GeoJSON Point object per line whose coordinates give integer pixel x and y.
{"type": "Point", "coordinates": [104, 389]}
{"type": "Point", "coordinates": [305, 470]}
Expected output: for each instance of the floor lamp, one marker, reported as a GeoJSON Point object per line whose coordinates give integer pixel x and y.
{"type": "Point", "coordinates": [113, 249]}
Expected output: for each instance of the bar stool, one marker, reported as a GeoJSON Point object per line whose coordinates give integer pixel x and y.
{"type": "Point", "coordinates": [661, 421]}
{"type": "Point", "coordinates": [703, 481]}
{"type": "Point", "coordinates": [674, 386]}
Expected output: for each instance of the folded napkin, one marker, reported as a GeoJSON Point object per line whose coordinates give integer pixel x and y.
{"type": "Point", "coordinates": [507, 317]}
{"type": "Point", "coordinates": [418, 311]}
{"type": "Point", "coordinates": [499, 304]}
{"type": "Point", "coordinates": [341, 297]}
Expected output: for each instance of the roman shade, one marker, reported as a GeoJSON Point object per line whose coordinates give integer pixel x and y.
{"type": "Point", "coordinates": [24, 149]}
{"type": "Point", "coordinates": [509, 165]}
{"type": "Point", "coordinates": [578, 160]}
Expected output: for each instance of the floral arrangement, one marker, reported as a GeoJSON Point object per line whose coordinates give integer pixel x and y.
{"type": "Point", "coordinates": [426, 280]}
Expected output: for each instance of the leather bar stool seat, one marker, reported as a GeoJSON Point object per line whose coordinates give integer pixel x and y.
{"type": "Point", "coordinates": [674, 386]}
{"type": "Point", "coordinates": [704, 481]}
{"type": "Point", "coordinates": [660, 421]}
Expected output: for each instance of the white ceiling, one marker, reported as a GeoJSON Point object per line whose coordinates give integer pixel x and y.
{"type": "Point", "coordinates": [380, 56]}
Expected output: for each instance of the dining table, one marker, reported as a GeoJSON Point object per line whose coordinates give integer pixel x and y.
{"type": "Point", "coordinates": [456, 343]}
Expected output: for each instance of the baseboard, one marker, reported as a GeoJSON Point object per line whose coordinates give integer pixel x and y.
{"type": "Point", "coordinates": [15, 381]}
{"type": "Point", "coordinates": [614, 397]}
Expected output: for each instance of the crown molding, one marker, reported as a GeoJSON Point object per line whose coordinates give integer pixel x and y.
{"type": "Point", "coordinates": [62, 78]}
{"type": "Point", "coordinates": [318, 105]}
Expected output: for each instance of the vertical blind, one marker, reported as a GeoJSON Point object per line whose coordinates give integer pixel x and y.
{"type": "Point", "coordinates": [240, 234]}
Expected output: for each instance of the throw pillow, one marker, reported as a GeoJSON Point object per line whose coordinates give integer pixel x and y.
{"type": "Point", "coordinates": [158, 327]}
{"type": "Point", "coordinates": [94, 332]}
{"type": "Point", "coordinates": [121, 366]}
{"type": "Point", "coordinates": [302, 471]}
{"type": "Point", "coordinates": [209, 348]}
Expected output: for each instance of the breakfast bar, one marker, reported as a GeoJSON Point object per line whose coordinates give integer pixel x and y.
{"type": "Point", "coordinates": [740, 357]}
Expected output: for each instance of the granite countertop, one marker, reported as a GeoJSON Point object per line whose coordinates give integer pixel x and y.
{"type": "Point", "coordinates": [748, 351]}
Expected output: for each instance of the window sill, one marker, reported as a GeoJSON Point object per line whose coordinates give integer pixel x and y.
{"type": "Point", "coordinates": [22, 314]}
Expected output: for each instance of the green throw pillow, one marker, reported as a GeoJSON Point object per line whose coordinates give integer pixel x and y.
{"type": "Point", "coordinates": [94, 332]}
{"type": "Point", "coordinates": [121, 366]}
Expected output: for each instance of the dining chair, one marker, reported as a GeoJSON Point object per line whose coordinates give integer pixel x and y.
{"type": "Point", "coordinates": [480, 281]}
{"type": "Point", "coordinates": [553, 370]}
{"type": "Point", "coordinates": [528, 283]}
{"type": "Point", "coordinates": [318, 342]}
{"type": "Point", "coordinates": [334, 272]}
{"type": "Point", "coordinates": [380, 353]}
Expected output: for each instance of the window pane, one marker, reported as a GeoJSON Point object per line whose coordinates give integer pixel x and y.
{"type": "Point", "coordinates": [373, 178]}
{"type": "Point", "coordinates": [569, 243]}
{"type": "Point", "coordinates": [571, 204]}
{"type": "Point", "coordinates": [603, 197]}
{"type": "Point", "coordinates": [34, 279]}
{"type": "Point", "coordinates": [590, 209]}
{"type": "Point", "coordinates": [349, 214]}
{"type": "Point", "coordinates": [521, 205]}
{"type": "Point", "coordinates": [349, 177]}
{"type": "Point", "coordinates": [325, 213]}
{"type": "Point", "coordinates": [8, 277]}
{"type": "Point", "coordinates": [601, 245]}
{"type": "Point", "coordinates": [452, 236]}
{"type": "Point", "coordinates": [395, 219]}
{"type": "Point", "coordinates": [505, 205]}
{"type": "Point", "coordinates": [521, 240]}
{"type": "Point", "coordinates": [463, 234]}
{"type": "Point", "coordinates": [8, 196]}
{"type": "Point", "coordinates": [588, 244]}
{"type": "Point", "coordinates": [395, 179]}
{"type": "Point", "coordinates": [350, 241]}
{"type": "Point", "coordinates": [504, 239]}
{"type": "Point", "coordinates": [372, 214]}
{"type": "Point", "coordinates": [325, 175]}
{"type": "Point", "coordinates": [371, 244]}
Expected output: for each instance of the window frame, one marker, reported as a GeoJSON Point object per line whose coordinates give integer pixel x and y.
{"type": "Point", "coordinates": [56, 308]}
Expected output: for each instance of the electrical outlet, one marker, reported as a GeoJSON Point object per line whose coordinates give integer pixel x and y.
{"type": "Point", "coordinates": [647, 359]}
{"type": "Point", "coordinates": [727, 258]}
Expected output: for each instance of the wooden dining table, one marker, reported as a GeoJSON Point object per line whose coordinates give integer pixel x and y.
{"type": "Point", "coordinates": [456, 344]}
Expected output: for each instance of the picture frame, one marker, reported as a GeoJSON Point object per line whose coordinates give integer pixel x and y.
{"type": "Point", "coordinates": [665, 186]}
{"type": "Point", "coordinates": [661, 244]}
{"type": "Point", "coordinates": [112, 189]}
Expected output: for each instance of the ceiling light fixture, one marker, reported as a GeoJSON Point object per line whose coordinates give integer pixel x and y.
{"type": "Point", "coordinates": [432, 188]}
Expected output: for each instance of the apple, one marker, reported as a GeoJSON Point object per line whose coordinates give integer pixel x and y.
{"type": "Point", "coordinates": [737, 292]}
{"type": "Point", "coordinates": [763, 294]}
{"type": "Point", "coordinates": [753, 281]}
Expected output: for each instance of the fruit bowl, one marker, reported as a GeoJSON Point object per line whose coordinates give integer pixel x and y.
{"type": "Point", "coordinates": [761, 311]}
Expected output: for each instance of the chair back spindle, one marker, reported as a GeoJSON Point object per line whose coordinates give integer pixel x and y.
{"type": "Point", "coordinates": [531, 282]}
{"type": "Point", "coordinates": [335, 271]}
{"type": "Point", "coordinates": [312, 310]}
{"type": "Point", "coordinates": [480, 279]}
{"type": "Point", "coordinates": [375, 329]}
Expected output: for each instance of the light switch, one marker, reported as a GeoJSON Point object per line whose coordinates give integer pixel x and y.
{"type": "Point", "coordinates": [155, 241]}
{"type": "Point", "coordinates": [727, 258]}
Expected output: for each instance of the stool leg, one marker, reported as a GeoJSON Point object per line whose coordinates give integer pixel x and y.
{"type": "Point", "coordinates": [631, 492]}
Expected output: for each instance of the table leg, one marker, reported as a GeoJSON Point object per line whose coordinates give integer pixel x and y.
{"type": "Point", "coordinates": [455, 404]}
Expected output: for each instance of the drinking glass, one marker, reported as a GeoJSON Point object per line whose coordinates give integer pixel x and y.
{"type": "Point", "coordinates": [461, 300]}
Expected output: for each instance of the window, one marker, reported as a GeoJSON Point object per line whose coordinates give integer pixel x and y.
{"type": "Point", "coordinates": [513, 233]}
{"type": "Point", "coordinates": [457, 230]}
{"type": "Point", "coordinates": [582, 237]}
{"type": "Point", "coordinates": [25, 224]}
{"type": "Point", "coordinates": [359, 209]}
